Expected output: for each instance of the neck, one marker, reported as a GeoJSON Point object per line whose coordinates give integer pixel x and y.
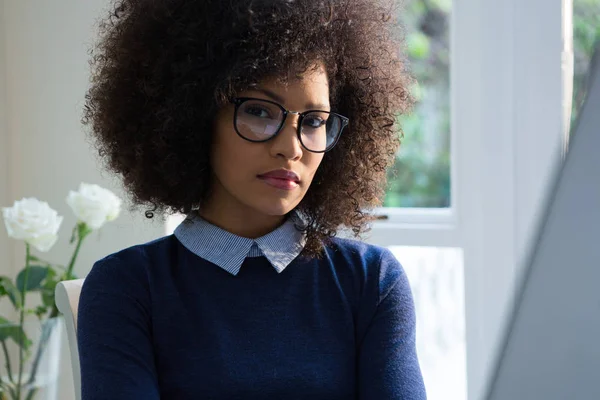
{"type": "Point", "coordinates": [240, 221]}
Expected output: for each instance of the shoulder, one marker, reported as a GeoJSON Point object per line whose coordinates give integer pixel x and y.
{"type": "Point", "coordinates": [360, 253]}
{"type": "Point", "coordinates": [379, 283]}
{"type": "Point", "coordinates": [374, 265]}
{"type": "Point", "coordinates": [128, 269]}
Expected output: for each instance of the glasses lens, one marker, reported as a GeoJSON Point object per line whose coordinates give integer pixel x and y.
{"type": "Point", "coordinates": [320, 130]}
{"type": "Point", "coordinates": [258, 120]}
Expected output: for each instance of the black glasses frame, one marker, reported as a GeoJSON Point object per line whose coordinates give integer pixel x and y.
{"type": "Point", "coordinates": [238, 101]}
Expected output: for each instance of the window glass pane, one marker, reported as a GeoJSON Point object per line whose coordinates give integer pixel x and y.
{"type": "Point", "coordinates": [436, 279]}
{"type": "Point", "coordinates": [586, 33]}
{"type": "Point", "coordinates": [421, 174]}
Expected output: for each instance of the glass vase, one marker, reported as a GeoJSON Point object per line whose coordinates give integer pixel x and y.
{"type": "Point", "coordinates": [29, 359]}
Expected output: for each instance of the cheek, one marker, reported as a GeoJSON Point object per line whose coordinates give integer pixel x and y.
{"type": "Point", "coordinates": [232, 158]}
{"type": "Point", "coordinates": [221, 152]}
{"type": "Point", "coordinates": [312, 164]}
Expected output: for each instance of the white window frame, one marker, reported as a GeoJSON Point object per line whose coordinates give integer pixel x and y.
{"type": "Point", "coordinates": [511, 81]}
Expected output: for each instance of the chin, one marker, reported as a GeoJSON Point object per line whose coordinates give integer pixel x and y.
{"type": "Point", "coordinates": [276, 211]}
{"type": "Point", "coordinates": [275, 208]}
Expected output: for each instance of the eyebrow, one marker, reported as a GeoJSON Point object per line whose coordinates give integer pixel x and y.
{"type": "Point", "coordinates": [279, 99]}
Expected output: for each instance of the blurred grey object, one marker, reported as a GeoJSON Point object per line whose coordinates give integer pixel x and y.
{"type": "Point", "coordinates": [550, 349]}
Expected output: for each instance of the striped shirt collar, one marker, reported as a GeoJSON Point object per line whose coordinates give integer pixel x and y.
{"type": "Point", "coordinates": [229, 251]}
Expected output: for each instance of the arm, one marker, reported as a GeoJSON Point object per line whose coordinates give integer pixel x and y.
{"type": "Point", "coordinates": [388, 365]}
{"type": "Point", "coordinates": [113, 334]}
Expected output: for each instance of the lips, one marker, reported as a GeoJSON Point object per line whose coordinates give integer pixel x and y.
{"type": "Point", "coordinates": [281, 179]}
{"type": "Point", "coordinates": [283, 174]}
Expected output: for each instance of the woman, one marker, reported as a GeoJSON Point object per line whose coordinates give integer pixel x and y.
{"type": "Point", "coordinates": [270, 124]}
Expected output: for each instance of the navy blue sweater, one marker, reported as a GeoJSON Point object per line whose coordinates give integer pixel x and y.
{"type": "Point", "coordinates": [158, 322]}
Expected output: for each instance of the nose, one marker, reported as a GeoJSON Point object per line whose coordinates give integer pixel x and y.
{"type": "Point", "coordinates": [286, 143]}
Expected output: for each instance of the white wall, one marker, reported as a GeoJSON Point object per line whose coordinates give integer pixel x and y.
{"type": "Point", "coordinates": [5, 259]}
{"type": "Point", "coordinates": [43, 149]}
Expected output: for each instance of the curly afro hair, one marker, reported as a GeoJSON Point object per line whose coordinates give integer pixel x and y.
{"type": "Point", "coordinates": [162, 68]}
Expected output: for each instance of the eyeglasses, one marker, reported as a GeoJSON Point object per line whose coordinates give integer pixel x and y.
{"type": "Point", "coordinates": [259, 120]}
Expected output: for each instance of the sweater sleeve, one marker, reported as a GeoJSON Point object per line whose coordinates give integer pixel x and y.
{"type": "Point", "coordinates": [388, 365]}
{"type": "Point", "coordinates": [113, 333]}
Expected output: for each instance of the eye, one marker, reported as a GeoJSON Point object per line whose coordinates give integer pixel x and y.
{"type": "Point", "coordinates": [257, 111]}
{"type": "Point", "coordinates": [314, 122]}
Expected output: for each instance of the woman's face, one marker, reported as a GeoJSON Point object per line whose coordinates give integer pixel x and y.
{"type": "Point", "coordinates": [246, 173]}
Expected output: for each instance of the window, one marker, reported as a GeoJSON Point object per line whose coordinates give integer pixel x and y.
{"type": "Point", "coordinates": [473, 167]}
{"type": "Point", "coordinates": [421, 174]}
{"type": "Point", "coordinates": [419, 194]}
{"type": "Point", "coordinates": [437, 282]}
{"type": "Point", "coordinates": [586, 35]}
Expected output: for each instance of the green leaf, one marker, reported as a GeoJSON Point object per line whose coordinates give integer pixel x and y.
{"type": "Point", "coordinates": [15, 332]}
{"type": "Point", "coordinates": [34, 278]}
{"type": "Point", "coordinates": [4, 323]}
{"type": "Point", "coordinates": [47, 297]}
{"type": "Point", "coordinates": [443, 5]}
{"type": "Point", "coordinates": [8, 288]}
{"type": "Point", "coordinates": [50, 274]}
{"type": "Point", "coordinates": [41, 310]}
{"type": "Point", "coordinates": [48, 286]}
{"type": "Point", "coordinates": [418, 45]}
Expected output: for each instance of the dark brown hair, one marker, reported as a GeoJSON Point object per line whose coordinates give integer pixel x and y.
{"type": "Point", "coordinates": [162, 68]}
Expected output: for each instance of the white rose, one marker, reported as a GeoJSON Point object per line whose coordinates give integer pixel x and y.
{"type": "Point", "coordinates": [94, 205]}
{"type": "Point", "coordinates": [34, 222]}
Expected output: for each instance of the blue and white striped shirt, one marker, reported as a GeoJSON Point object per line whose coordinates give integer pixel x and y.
{"type": "Point", "coordinates": [229, 251]}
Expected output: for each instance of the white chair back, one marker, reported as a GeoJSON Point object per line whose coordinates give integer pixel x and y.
{"type": "Point", "coordinates": [67, 301]}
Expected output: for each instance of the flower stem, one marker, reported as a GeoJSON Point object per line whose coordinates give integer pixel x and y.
{"type": "Point", "coordinates": [22, 320]}
{"type": "Point", "coordinates": [31, 393]}
{"type": "Point", "coordinates": [7, 358]}
{"type": "Point", "coordinates": [82, 232]}
{"type": "Point", "coordinates": [47, 328]}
